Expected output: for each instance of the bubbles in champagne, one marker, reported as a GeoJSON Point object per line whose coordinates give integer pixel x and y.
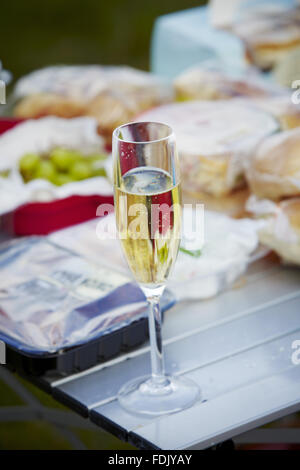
{"type": "Point", "coordinates": [148, 218]}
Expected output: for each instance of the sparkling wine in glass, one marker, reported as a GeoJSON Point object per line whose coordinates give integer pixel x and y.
{"type": "Point", "coordinates": [148, 216]}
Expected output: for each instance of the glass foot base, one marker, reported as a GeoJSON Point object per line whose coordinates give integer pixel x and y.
{"type": "Point", "coordinates": [144, 397]}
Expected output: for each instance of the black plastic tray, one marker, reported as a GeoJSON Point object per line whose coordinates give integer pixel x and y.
{"type": "Point", "coordinates": [81, 357]}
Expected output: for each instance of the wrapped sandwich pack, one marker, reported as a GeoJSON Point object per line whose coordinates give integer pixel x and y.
{"type": "Point", "coordinates": [213, 140]}
{"type": "Point", "coordinates": [112, 95]}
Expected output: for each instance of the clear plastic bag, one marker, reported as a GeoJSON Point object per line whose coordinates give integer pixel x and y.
{"type": "Point", "coordinates": [226, 247]}
{"type": "Point", "coordinates": [280, 230]}
{"type": "Point", "coordinates": [51, 298]}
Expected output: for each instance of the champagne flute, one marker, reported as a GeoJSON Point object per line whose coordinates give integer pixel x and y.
{"type": "Point", "coordinates": [148, 217]}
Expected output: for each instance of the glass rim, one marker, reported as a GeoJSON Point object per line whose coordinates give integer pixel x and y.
{"type": "Point", "coordinates": [146, 141]}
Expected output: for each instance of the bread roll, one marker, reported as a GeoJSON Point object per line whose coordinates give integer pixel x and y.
{"type": "Point", "coordinates": [274, 170]}
{"type": "Point", "coordinates": [269, 34]}
{"type": "Point", "coordinates": [199, 83]}
{"type": "Point", "coordinates": [48, 104]}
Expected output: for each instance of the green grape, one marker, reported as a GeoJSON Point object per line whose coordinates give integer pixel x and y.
{"type": "Point", "coordinates": [97, 167]}
{"type": "Point", "coordinates": [62, 178]}
{"type": "Point", "coordinates": [97, 157]}
{"type": "Point", "coordinates": [99, 172]}
{"type": "Point", "coordinates": [45, 170]}
{"type": "Point", "coordinates": [63, 159]}
{"type": "Point", "coordinates": [29, 163]}
{"type": "Point", "coordinates": [80, 170]}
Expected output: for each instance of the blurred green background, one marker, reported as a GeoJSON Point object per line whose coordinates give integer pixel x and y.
{"type": "Point", "coordinates": [37, 33]}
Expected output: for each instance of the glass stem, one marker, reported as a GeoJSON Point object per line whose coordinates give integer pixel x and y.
{"type": "Point", "coordinates": [157, 359]}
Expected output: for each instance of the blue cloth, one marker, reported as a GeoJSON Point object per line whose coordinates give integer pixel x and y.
{"type": "Point", "coordinates": [186, 38]}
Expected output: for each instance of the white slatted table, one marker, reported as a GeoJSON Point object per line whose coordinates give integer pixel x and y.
{"type": "Point", "coordinates": [237, 347]}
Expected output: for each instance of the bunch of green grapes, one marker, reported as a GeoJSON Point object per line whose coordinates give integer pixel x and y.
{"type": "Point", "coordinates": [61, 166]}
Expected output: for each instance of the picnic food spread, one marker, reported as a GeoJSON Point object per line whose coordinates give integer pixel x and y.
{"type": "Point", "coordinates": [230, 117]}
{"type": "Point", "coordinates": [237, 133]}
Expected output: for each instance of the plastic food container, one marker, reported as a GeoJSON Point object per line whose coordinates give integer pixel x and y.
{"type": "Point", "coordinates": [41, 218]}
{"type": "Point", "coordinates": [60, 311]}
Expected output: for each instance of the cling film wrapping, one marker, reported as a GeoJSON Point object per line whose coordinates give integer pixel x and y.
{"type": "Point", "coordinates": [213, 139]}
